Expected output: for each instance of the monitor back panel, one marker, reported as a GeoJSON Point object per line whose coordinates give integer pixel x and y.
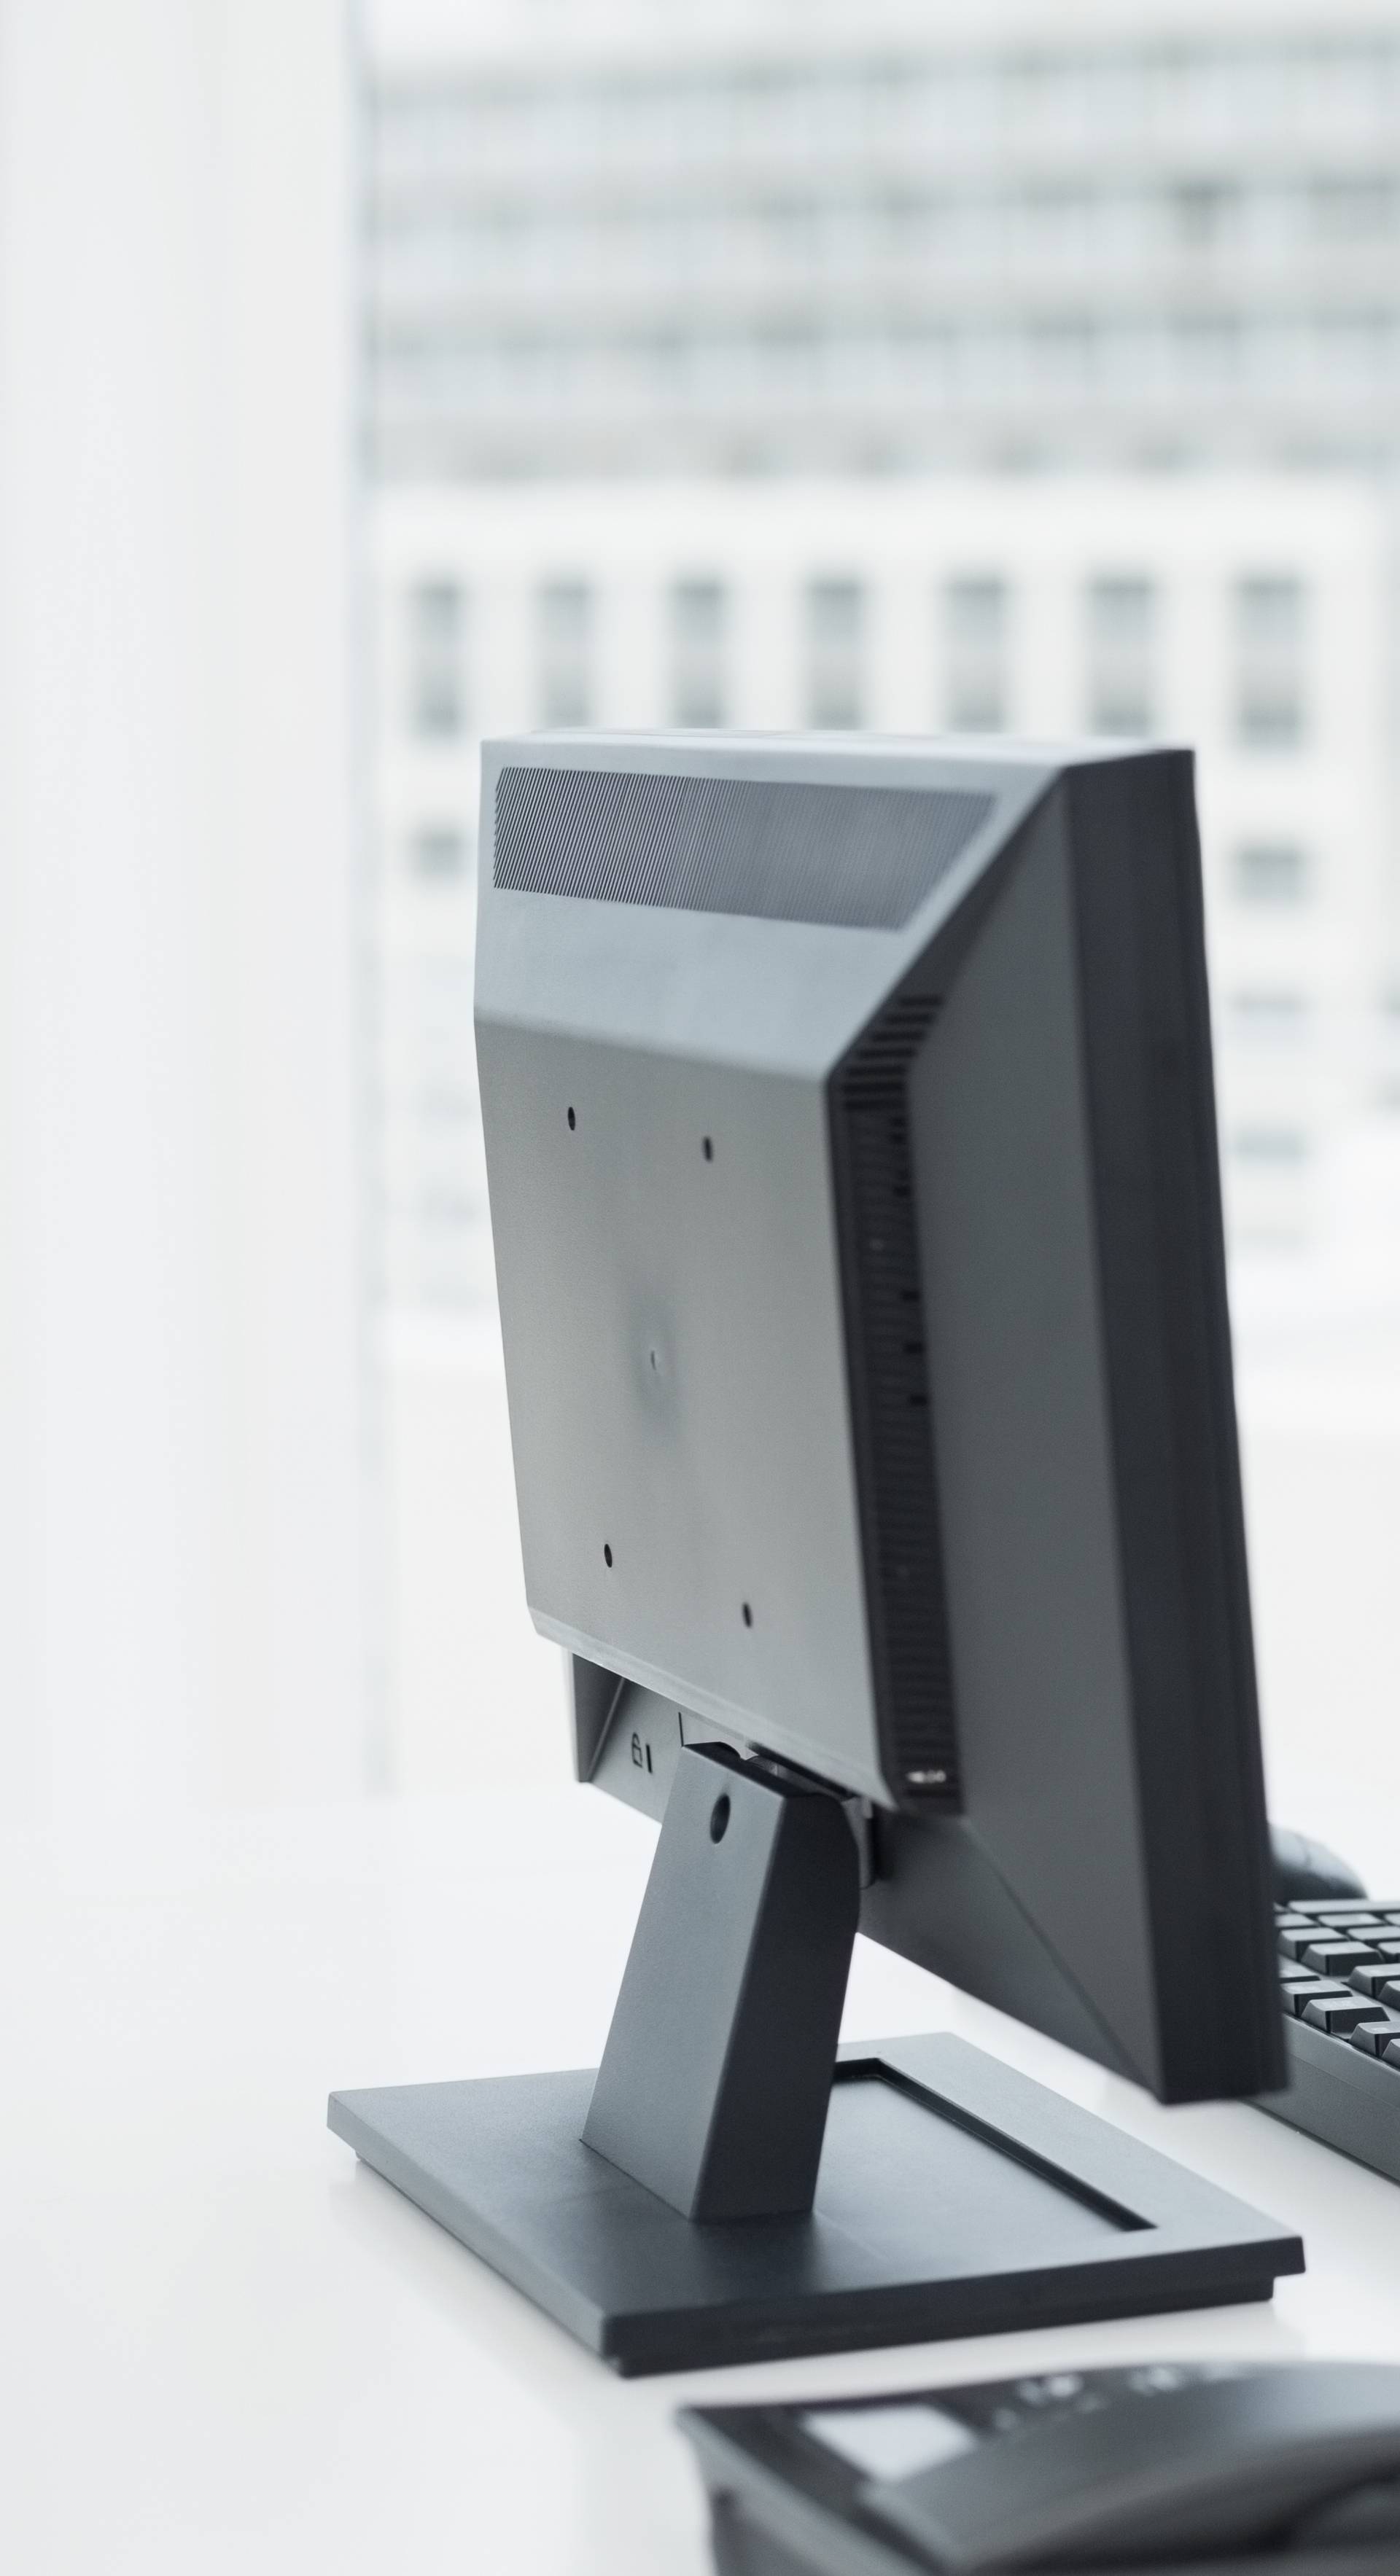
{"type": "Point", "coordinates": [862, 1288]}
{"type": "Point", "coordinates": [677, 1384]}
{"type": "Point", "coordinates": [676, 958]}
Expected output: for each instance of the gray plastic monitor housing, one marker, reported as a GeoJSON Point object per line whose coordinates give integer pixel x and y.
{"type": "Point", "coordinates": [862, 1293]}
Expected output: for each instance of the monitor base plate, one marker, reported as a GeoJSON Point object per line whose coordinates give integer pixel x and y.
{"type": "Point", "coordinates": [955, 2197]}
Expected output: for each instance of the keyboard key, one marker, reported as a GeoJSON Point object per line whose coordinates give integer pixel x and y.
{"type": "Point", "coordinates": [1312, 1990]}
{"type": "Point", "coordinates": [1295, 1941]}
{"type": "Point", "coordinates": [1374, 2037]}
{"type": "Point", "coordinates": [1337, 2017]}
{"type": "Point", "coordinates": [1392, 2055]}
{"type": "Point", "coordinates": [1333, 1958]}
{"type": "Point", "coordinates": [1372, 1976]}
{"type": "Point", "coordinates": [1388, 1944]}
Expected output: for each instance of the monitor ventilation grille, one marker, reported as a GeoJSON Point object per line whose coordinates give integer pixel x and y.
{"type": "Point", "coordinates": [890, 1405]}
{"type": "Point", "coordinates": [854, 858]}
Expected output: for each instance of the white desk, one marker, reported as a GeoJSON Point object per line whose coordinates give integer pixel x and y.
{"type": "Point", "coordinates": [225, 2346]}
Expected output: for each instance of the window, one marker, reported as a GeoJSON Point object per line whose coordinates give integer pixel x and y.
{"type": "Point", "coordinates": [1203, 210]}
{"type": "Point", "coordinates": [1209, 350]}
{"type": "Point", "coordinates": [835, 653]}
{"type": "Point", "coordinates": [793, 227]}
{"type": "Point", "coordinates": [1270, 621]}
{"type": "Point", "coordinates": [698, 621]}
{"type": "Point", "coordinates": [1121, 619]}
{"type": "Point", "coordinates": [1352, 209]}
{"type": "Point", "coordinates": [1064, 354]}
{"type": "Point", "coordinates": [1355, 348]}
{"type": "Point", "coordinates": [1271, 872]}
{"type": "Point", "coordinates": [565, 643]}
{"type": "Point", "coordinates": [438, 853]}
{"type": "Point", "coordinates": [1268, 1015]}
{"type": "Point", "coordinates": [436, 655]}
{"type": "Point", "coordinates": [1281, 1148]}
{"type": "Point", "coordinates": [975, 637]}
{"type": "Point", "coordinates": [789, 355]}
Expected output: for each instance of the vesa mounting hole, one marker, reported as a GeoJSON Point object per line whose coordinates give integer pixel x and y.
{"type": "Point", "coordinates": [607, 1553]}
{"type": "Point", "coordinates": [748, 1614]}
{"type": "Point", "coordinates": [573, 1122]}
{"type": "Point", "coordinates": [719, 1819]}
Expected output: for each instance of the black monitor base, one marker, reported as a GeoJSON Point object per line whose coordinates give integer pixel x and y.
{"type": "Point", "coordinates": [954, 2197]}
{"type": "Point", "coordinates": [727, 2189]}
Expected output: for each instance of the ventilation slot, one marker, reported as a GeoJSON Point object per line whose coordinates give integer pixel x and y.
{"type": "Point", "coordinates": [890, 1406]}
{"type": "Point", "coordinates": [854, 858]}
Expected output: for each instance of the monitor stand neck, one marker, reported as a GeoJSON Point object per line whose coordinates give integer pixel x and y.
{"type": "Point", "coordinates": [716, 2078]}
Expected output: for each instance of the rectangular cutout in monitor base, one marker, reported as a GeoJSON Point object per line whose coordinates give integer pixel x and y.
{"type": "Point", "coordinates": [955, 2197]}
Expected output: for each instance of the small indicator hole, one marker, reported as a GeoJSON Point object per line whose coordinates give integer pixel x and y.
{"type": "Point", "coordinates": [748, 1615]}
{"type": "Point", "coordinates": [573, 1122]}
{"type": "Point", "coordinates": [719, 1819]}
{"type": "Point", "coordinates": [607, 1553]}
{"type": "Point", "coordinates": [707, 1148]}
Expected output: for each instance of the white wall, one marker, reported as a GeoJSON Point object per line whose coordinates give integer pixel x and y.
{"type": "Point", "coordinates": [182, 1436]}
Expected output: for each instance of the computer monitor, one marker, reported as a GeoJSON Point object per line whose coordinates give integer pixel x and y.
{"type": "Point", "coordinates": [851, 1146]}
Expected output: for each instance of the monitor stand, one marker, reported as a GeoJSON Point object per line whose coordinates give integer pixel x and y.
{"type": "Point", "coordinates": [731, 2186]}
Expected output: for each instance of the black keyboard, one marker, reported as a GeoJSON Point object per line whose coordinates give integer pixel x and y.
{"type": "Point", "coordinates": [1339, 1965]}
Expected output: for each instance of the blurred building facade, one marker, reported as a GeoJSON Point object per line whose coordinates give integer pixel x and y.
{"type": "Point", "coordinates": [847, 367]}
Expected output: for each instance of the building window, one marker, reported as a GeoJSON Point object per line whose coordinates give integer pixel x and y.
{"type": "Point", "coordinates": [1269, 1015]}
{"type": "Point", "coordinates": [1271, 872]}
{"type": "Point", "coordinates": [437, 852]}
{"type": "Point", "coordinates": [1121, 618]}
{"type": "Point", "coordinates": [437, 695]}
{"type": "Point", "coordinates": [564, 634]}
{"type": "Point", "coordinates": [698, 621]}
{"type": "Point", "coordinates": [1352, 209]}
{"type": "Point", "coordinates": [1270, 641]}
{"type": "Point", "coordinates": [1276, 1148]}
{"type": "Point", "coordinates": [975, 622]}
{"type": "Point", "coordinates": [1202, 209]}
{"type": "Point", "coordinates": [835, 654]}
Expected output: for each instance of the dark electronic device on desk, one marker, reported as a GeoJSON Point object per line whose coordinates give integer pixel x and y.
{"type": "Point", "coordinates": [851, 1143]}
{"type": "Point", "coordinates": [1294, 2467]}
{"type": "Point", "coordinates": [1339, 1967]}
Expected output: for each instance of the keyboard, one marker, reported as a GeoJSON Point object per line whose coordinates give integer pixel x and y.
{"type": "Point", "coordinates": [1339, 1967]}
